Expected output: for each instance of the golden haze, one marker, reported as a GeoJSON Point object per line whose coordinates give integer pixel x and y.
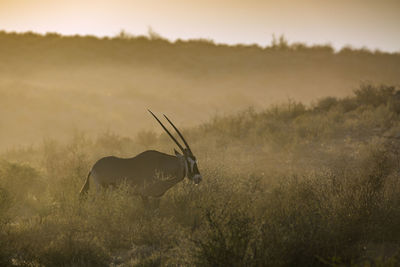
{"type": "Point", "coordinates": [360, 23]}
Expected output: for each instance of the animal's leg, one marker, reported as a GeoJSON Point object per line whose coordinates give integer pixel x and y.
{"type": "Point", "coordinates": [96, 183]}
{"type": "Point", "coordinates": [156, 203]}
{"type": "Point", "coordinates": [145, 200]}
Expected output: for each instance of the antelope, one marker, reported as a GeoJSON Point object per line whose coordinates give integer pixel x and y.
{"type": "Point", "coordinates": [151, 173]}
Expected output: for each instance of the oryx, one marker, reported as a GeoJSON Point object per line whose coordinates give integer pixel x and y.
{"type": "Point", "coordinates": [151, 173]}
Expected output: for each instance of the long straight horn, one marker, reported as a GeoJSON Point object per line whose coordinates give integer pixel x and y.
{"type": "Point", "coordinates": [170, 135]}
{"type": "Point", "coordinates": [176, 129]}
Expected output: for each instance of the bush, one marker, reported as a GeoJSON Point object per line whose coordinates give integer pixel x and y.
{"type": "Point", "coordinates": [368, 94]}
{"type": "Point", "coordinates": [288, 186]}
{"type": "Point", "coordinates": [226, 239]}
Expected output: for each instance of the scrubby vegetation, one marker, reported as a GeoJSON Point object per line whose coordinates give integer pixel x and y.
{"type": "Point", "coordinates": [292, 185]}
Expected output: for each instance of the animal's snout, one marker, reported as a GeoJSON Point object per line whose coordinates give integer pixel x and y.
{"type": "Point", "coordinates": [197, 178]}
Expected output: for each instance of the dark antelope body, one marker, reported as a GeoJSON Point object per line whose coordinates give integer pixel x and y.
{"type": "Point", "coordinates": [151, 173]}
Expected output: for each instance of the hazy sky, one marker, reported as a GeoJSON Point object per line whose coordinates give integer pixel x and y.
{"type": "Point", "coordinates": [370, 23]}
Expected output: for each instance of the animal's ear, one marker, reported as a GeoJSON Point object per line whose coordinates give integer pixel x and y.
{"type": "Point", "coordinates": [177, 153]}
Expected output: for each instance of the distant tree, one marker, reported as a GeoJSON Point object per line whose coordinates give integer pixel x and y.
{"type": "Point", "coordinates": [124, 35]}
{"type": "Point", "coordinates": [279, 43]}
{"type": "Point", "coordinates": [153, 35]}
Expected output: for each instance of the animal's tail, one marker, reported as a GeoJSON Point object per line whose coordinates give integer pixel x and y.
{"type": "Point", "coordinates": [85, 187]}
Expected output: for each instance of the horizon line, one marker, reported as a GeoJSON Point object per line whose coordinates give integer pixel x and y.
{"type": "Point", "coordinates": [278, 41]}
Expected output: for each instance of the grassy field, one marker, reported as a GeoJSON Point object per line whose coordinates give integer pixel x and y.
{"type": "Point", "coordinates": [287, 185]}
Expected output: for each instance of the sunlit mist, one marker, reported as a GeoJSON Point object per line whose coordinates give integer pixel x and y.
{"type": "Point", "coordinates": [283, 141]}
{"type": "Point", "coordinates": [373, 24]}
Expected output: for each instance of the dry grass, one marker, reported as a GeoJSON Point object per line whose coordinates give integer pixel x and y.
{"type": "Point", "coordinates": [288, 186]}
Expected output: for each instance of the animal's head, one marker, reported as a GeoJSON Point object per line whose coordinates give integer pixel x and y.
{"type": "Point", "coordinates": [192, 172]}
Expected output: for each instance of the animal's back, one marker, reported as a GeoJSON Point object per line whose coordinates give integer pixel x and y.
{"type": "Point", "coordinates": [136, 171]}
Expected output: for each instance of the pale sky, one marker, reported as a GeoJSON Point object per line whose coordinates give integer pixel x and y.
{"type": "Point", "coordinates": [370, 23]}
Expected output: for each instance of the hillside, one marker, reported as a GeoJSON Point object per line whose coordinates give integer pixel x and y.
{"type": "Point", "coordinates": [52, 85]}
{"type": "Point", "coordinates": [289, 185]}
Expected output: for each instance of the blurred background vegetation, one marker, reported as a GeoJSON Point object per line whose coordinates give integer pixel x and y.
{"type": "Point", "coordinates": [53, 85]}
{"type": "Point", "coordinates": [290, 184]}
